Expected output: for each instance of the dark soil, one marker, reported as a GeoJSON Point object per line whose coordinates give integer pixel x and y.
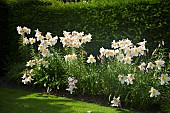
{"type": "Point", "coordinates": [101, 100]}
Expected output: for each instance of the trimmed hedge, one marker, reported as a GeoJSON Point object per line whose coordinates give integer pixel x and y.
{"type": "Point", "coordinates": [134, 20]}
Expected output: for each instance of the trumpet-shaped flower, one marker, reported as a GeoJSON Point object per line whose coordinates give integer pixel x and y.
{"type": "Point", "coordinates": [45, 64]}
{"type": "Point", "coordinates": [135, 51]}
{"type": "Point", "coordinates": [40, 37]}
{"type": "Point", "coordinates": [40, 61]}
{"type": "Point", "coordinates": [26, 30]}
{"type": "Point", "coordinates": [32, 40]}
{"type": "Point", "coordinates": [159, 63]}
{"type": "Point", "coordinates": [154, 92]}
{"type": "Point", "coordinates": [65, 33]}
{"type": "Point", "coordinates": [128, 43]}
{"type": "Point", "coordinates": [41, 47]}
{"type": "Point", "coordinates": [31, 63]}
{"type": "Point", "coordinates": [45, 43]}
{"type": "Point", "coordinates": [142, 66]}
{"type": "Point", "coordinates": [115, 101]}
{"type": "Point", "coordinates": [150, 65]}
{"type": "Point", "coordinates": [131, 76]}
{"type": "Point", "coordinates": [164, 79]}
{"type": "Point", "coordinates": [48, 35]}
{"type": "Point", "coordinates": [142, 43]}
{"type": "Point", "coordinates": [120, 57]}
{"type": "Point", "coordinates": [141, 50]}
{"type": "Point", "coordinates": [20, 30]}
{"type": "Point", "coordinates": [128, 52]}
{"type": "Point", "coordinates": [129, 79]}
{"type": "Point", "coordinates": [114, 44]}
{"type": "Point", "coordinates": [88, 37]}
{"type": "Point", "coordinates": [91, 59]}
{"type": "Point", "coordinates": [121, 43]}
{"type": "Point", "coordinates": [37, 33]}
{"type": "Point", "coordinates": [25, 41]}
{"type": "Point", "coordinates": [122, 79]}
{"type": "Point", "coordinates": [46, 53]}
{"type": "Point", "coordinates": [127, 60]}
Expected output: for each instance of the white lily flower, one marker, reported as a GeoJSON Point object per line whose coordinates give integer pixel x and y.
{"type": "Point", "coordinates": [142, 43]}
{"type": "Point", "coordinates": [45, 64]}
{"type": "Point", "coordinates": [150, 65]}
{"type": "Point", "coordinates": [41, 47]}
{"type": "Point", "coordinates": [114, 44]}
{"type": "Point", "coordinates": [91, 59]}
{"type": "Point", "coordinates": [129, 79]}
{"type": "Point", "coordinates": [120, 57]}
{"type": "Point", "coordinates": [159, 63]}
{"type": "Point", "coordinates": [122, 79]}
{"type": "Point", "coordinates": [32, 40]}
{"type": "Point", "coordinates": [142, 66]}
{"type": "Point", "coordinates": [48, 35]}
{"type": "Point", "coordinates": [31, 63]}
{"type": "Point", "coordinates": [20, 30]}
{"type": "Point", "coordinates": [154, 92]}
{"type": "Point", "coordinates": [115, 101]}
{"type": "Point", "coordinates": [25, 41]}
{"type": "Point", "coordinates": [127, 60]}
{"type": "Point", "coordinates": [164, 79]}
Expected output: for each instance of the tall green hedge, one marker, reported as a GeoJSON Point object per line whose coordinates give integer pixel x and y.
{"type": "Point", "coordinates": [136, 20]}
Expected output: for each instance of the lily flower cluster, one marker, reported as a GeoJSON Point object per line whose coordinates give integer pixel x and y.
{"type": "Point", "coordinates": [74, 39]}
{"type": "Point", "coordinates": [39, 62]}
{"type": "Point", "coordinates": [128, 79]}
{"type": "Point", "coordinates": [45, 42]}
{"type": "Point", "coordinates": [72, 84]}
{"type": "Point", "coordinates": [164, 80]}
{"type": "Point", "coordinates": [27, 77]}
{"type": "Point", "coordinates": [124, 50]}
{"type": "Point", "coordinates": [158, 64]}
{"type": "Point", "coordinates": [23, 30]}
{"type": "Point", "coordinates": [70, 57]}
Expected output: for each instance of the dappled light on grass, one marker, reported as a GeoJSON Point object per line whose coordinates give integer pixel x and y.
{"type": "Point", "coordinates": [18, 101]}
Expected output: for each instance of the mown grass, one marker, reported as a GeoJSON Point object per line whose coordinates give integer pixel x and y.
{"type": "Point", "coordinates": [19, 101]}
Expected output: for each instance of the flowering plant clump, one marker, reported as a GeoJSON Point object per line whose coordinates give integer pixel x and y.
{"type": "Point", "coordinates": [126, 69]}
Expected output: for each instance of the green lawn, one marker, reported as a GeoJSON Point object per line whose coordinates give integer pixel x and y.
{"type": "Point", "coordinates": [19, 101]}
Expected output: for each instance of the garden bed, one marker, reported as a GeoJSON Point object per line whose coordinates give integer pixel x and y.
{"type": "Point", "coordinates": [99, 100]}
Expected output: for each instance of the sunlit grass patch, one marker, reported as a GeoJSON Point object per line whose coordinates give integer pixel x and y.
{"type": "Point", "coordinates": [18, 101]}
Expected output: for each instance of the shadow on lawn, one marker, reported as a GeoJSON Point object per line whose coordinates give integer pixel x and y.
{"type": "Point", "coordinates": [12, 101]}
{"type": "Point", "coordinates": [19, 101]}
